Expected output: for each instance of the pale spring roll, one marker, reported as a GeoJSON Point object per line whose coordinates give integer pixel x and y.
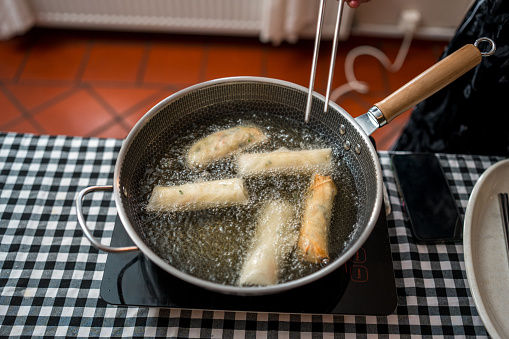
{"type": "Point", "coordinates": [312, 242]}
{"type": "Point", "coordinates": [284, 161]}
{"type": "Point", "coordinates": [272, 240]}
{"type": "Point", "coordinates": [224, 143]}
{"type": "Point", "coordinates": [198, 196]}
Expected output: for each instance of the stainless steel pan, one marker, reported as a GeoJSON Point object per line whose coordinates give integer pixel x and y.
{"type": "Point", "coordinates": [201, 102]}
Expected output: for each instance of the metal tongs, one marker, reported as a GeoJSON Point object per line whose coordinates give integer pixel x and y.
{"type": "Point", "coordinates": [318, 37]}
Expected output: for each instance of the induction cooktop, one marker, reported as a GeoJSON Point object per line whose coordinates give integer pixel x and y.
{"type": "Point", "coordinates": [365, 285]}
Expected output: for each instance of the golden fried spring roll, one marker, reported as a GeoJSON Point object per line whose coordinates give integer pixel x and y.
{"type": "Point", "coordinates": [312, 242]}
{"type": "Point", "coordinates": [198, 196]}
{"type": "Point", "coordinates": [223, 143]}
{"type": "Point", "coordinates": [282, 160]}
{"type": "Point", "coordinates": [272, 240]}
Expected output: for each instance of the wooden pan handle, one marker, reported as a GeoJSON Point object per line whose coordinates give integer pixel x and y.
{"type": "Point", "coordinates": [430, 81]}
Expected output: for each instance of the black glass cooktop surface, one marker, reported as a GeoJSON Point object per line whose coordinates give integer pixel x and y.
{"type": "Point", "coordinates": [365, 285]}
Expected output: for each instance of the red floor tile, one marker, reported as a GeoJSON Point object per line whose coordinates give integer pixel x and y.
{"type": "Point", "coordinates": [387, 135]}
{"type": "Point", "coordinates": [366, 66]}
{"type": "Point", "coordinates": [228, 60]}
{"type": "Point", "coordinates": [79, 114]}
{"type": "Point", "coordinates": [357, 104]}
{"type": "Point", "coordinates": [123, 99]}
{"type": "Point", "coordinates": [24, 126]}
{"type": "Point", "coordinates": [351, 106]}
{"type": "Point", "coordinates": [136, 112]}
{"type": "Point", "coordinates": [54, 59]}
{"type": "Point", "coordinates": [290, 63]}
{"type": "Point", "coordinates": [9, 112]}
{"type": "Point", "coordinates": [136, 115]}
{"type": "Point", "coordinates": [115, 131]}
{"type": "Point", "coordinates": [100, 84]}
{"type": "Point", "coordinates": [176, 63]}
{"type": "Point", "coordinates": [32, 96]}
{"type": "Point", "coordinates": [12, 53]}
{"type": "Point", "coordinates": [421, 56]}
{"type": "Point", "coordinates": [369, 70]}
{"type": "Point", "coordinates": [114, 62]}
{"type": "Point", "coordinates": [324, 60]}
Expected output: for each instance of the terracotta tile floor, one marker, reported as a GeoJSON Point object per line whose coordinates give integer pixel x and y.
{"type": "Point", "coordinates": [101, 83]}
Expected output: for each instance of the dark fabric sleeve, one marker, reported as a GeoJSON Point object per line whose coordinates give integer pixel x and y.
{"type": "Point", "coordinates": [470, 116]}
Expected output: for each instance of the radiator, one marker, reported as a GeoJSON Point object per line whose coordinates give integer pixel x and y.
{"type": "Point", "coordinates": [226, 17]}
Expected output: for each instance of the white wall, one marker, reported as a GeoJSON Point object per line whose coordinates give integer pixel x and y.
{"type": "Point", "coordinates": [439, 18]}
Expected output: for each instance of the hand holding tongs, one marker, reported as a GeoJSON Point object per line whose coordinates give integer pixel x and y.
{"type": "Point", "coordinates": [318, 37]}
{"type": "Point", "coordinates": [418, 89]}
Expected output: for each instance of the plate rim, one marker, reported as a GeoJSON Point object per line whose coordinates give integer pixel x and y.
{"type": "Point", "coordinates": [467, 247]}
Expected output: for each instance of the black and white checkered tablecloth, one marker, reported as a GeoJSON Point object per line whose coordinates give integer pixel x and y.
{"type": "Point", "coordinates": [50, 275]}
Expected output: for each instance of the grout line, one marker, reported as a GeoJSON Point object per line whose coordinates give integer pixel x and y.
{"type": "Point", "coordinates": [10, 125]}
{"type": "Point", "coordinates": [84, 62]}
{"type": "Point", "coordinates": [113, 122]}
{"type": "Point", "coordinates": [96, 83]}
{"type": "Point", "coordinates": [147, 47]}
{"type": "Point", "coordinates": [151, 99]}
{"type": "Point", "coordinates": [119, 118]}
{"type": "Point", "coordinates": [24, 113]}
{"type": "Point", "coordinates": [175, 86]}
{"type": "Point", "coordinates": [77, 83]}
{"type": "Point", "coordinates": [116, 119]}
{"type": "Point", "coordinates": [47, 104]}
{"type": "Point", "coordinates": [42, 82]}
{"type": "Point", "coordinates": [123, 84]}
{"type": "Point", "coordinates": [111, 111]}
{"type": "Point", "coordinates": [22, 64]}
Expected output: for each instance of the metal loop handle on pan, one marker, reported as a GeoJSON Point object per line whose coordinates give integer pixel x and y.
{"type": "Point", "coordinates": [86, 229]}
{"type": "Point", "coordinates": [488, 40]}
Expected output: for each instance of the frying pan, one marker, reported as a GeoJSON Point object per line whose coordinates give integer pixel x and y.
{"type": "Point", "coordinates": [204, 102]}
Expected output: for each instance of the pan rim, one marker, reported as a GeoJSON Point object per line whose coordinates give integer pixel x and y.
{"type": "Point", "coordinates": [230, 289]}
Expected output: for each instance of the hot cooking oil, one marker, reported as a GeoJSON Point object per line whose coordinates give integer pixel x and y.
{"type": "Point", "coordinates": [212, 244]}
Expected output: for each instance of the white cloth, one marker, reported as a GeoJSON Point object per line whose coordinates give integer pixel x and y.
{"type": "Point", "coordinates": [285, 19]}
{"type": "Point", "coordinates": [16, 17]}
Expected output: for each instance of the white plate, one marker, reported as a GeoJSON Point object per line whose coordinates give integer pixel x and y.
{"type": "Point", "coordinates": [486, 258]}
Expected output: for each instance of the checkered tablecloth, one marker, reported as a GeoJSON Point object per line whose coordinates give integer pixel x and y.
{"type": "Point", "coordinates": [50, 275]}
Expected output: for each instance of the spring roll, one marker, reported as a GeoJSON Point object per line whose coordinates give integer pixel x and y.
{"type": "Point", "coordinates": [224, 143]}
{"type": "Point", "coordinates": [198, 196]}
{"type": "Point", "coordinates": [272, 240]}
{"type": "Point", "coordinates": [312, 242]}
{"type": "Point", "coordinates": [282, 160]}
